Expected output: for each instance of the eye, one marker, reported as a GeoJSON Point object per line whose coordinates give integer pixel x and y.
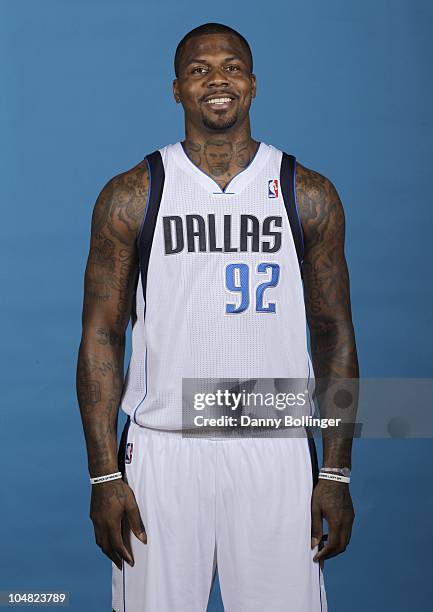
{"type": "Point", "coordinates": [199, 70]}
{"type": "Point", "coordinates": [233, 68]}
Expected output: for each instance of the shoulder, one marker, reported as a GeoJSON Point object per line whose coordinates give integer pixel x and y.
{"type": "Point", "coordinates": [121, 203]}
{"type": "Point", "coordinates": [312, 188]}
{"type": "Point", "coordinates": [320, 207]}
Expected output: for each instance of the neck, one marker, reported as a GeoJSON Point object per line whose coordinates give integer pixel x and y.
{"type": "Point", "coordinates": [222, 154]}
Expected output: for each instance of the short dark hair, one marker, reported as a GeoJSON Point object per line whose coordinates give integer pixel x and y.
{"type": "Point", "coordinates": [210, 28]}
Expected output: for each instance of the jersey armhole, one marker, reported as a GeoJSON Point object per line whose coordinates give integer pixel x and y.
{"type": "Point", "coordinates": [147, 230]}
{"type": "Point", "coordinates": [149, 188]}
{"type": "Point", "coordinates": [288, 188]}
{"type": "Point", "coordinates": [301, 229]}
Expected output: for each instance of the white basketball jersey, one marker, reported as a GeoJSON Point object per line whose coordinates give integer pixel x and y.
{"type": "Point", "coordinates": [220, 293]}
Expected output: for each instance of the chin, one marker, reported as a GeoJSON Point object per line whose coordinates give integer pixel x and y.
{"type": "Point", "coordinates": [222, 123]}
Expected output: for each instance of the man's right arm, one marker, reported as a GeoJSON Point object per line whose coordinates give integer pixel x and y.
{"type": "Point", "coordinates": [109, 289]}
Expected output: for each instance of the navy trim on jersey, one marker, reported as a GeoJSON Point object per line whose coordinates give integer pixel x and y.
{"type": "Point", "coordinates": [149, 189]}
{"type": "Point", "coordinates": [288, 188]}
{"type": "Point", "coordinates": [297, 208]}
{"type": "Point", "coordinates": [156, 186]}
{"type": "Point", "coordinates": [122, 447]}
{"type": "Point", "coordinates": [313, 457]}
{"type": "Point", "coordinates": [145, 395]}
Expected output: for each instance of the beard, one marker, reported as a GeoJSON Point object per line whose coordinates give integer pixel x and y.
{"type": "Point", "coordinates": [219, 123]}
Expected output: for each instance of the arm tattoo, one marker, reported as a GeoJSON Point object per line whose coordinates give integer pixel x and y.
{"type": "Point", "coordinates": [109, 290]}
{"type": "Point", "coordinates": [327, 303]}
{"type": "Point", "coordinates": [326, 278]}
{"type": "Point", "coordinates": [122, 206]}
{"type": "Point", "coordinates": [107, 336]}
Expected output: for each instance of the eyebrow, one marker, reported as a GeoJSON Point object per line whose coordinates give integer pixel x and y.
{"type": "Point", "coordinates": [203, 61]}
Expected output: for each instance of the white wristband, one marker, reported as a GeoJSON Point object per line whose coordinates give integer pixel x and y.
{"type": "Point", "coordinates": [336, 477]}
{"type": "Point", "coordinates": [106, 478]}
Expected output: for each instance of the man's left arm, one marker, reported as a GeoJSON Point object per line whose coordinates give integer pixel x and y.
{"type": "Point", "coordinates": [332, 341]}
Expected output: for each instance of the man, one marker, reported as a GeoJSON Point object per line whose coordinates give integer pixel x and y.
{"type": "Point", "coordinates": [203, 245]}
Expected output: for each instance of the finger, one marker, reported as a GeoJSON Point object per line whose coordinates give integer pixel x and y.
{"type": "Point", "coordinates": [321, 545]}
{"type": "Point", "coordinates": [126, 535]}
{"type": "Point", "coordinates": [135, 522]}
{"type": "Point", "coordinates": [334, 546]}
{"type": "Point", "coordinates": [111, 554]}
{"type": "Point", "coordinates": [316, 525]}
{"type": "Point", "coordinates": [118, 547]}
{"type": "Point", "coordinates": [328, 552]}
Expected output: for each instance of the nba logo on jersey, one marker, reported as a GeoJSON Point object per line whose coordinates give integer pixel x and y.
{"type": "Point", "coordinates": [128, 453]}
{"type": "Point", "coordinates": [273, 188]}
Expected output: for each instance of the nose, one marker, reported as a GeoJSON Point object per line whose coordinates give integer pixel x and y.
{"type": "Point", "coordinates": [216, 78]}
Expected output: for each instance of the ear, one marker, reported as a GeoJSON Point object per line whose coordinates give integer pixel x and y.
{"type": "Point", "coordinates": [176, 91]}
{"type": "Point", "coordinates": [254, 85]}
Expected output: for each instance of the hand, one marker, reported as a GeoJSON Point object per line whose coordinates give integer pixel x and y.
{"type": "Point", "coordinates": [111, 503]}
{"type": "Point", "coordinates": [332, 501]}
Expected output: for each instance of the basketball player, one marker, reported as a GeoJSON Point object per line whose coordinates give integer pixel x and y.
{"type": "Point", "coordinates": [219, 248]}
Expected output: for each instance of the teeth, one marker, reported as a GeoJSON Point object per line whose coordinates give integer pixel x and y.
{"type": "Point", "coordinates": [219, 100]}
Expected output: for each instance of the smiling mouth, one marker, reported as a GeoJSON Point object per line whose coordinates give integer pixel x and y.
{"type": "Point", "coordinates": [219, 102]}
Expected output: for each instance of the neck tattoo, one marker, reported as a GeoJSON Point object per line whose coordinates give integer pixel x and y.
{"type": "Point", "coordinates": [221, 158]}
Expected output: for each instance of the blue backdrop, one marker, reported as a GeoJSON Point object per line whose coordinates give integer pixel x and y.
{"type": "Point", "coordinates": [86, 93]}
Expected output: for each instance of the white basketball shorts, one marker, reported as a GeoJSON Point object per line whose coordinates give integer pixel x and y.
{"type": "Point", "coordinates": [239, 504]}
